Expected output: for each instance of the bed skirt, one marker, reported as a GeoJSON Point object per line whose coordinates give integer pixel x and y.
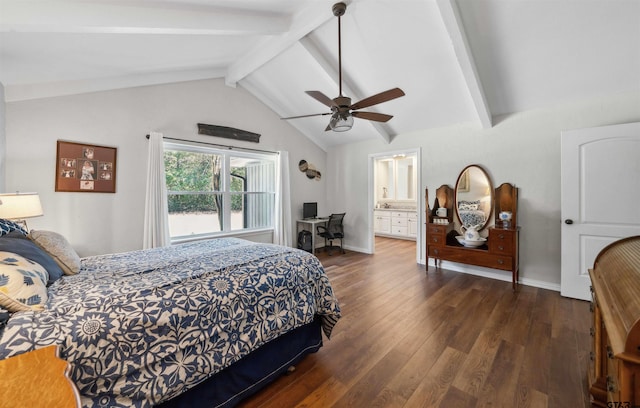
{"type": "Point", "coordinates": [250, 374]}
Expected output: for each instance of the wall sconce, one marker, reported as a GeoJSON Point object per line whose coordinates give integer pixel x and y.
{"type": "Point", "coordinates": [18, 206]}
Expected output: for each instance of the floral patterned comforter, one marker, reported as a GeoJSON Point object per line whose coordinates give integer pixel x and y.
{"type": "Point", "coordinates": [141, 327]}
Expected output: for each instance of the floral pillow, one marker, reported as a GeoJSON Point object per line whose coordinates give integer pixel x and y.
{"type": "Point", "coordinates": [23, 283]}
{"type": "Point", "coordinates": [7, 226]}
{"type": "Point", "coordinates": [468, 205]}
{"type": "Point", "coordinates": [19, 244]}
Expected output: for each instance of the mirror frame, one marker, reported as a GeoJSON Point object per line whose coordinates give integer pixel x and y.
{"type": "Point", "coordinates": [491, 195]}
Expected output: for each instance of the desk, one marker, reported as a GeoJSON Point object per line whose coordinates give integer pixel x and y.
{"type": "Point", "coordinates": [312, 223]}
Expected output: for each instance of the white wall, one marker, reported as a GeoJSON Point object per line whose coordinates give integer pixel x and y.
{"type": "Point", "coordinates": [522, 148]}
{"type": "Point", "coordinates": [97, 223]}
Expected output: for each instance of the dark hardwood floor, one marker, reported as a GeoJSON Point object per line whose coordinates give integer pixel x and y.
{"type": "Point", "coordinates": [408, 338]}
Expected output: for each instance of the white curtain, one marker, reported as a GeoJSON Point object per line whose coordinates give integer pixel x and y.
{"type": "Point", "coordinates": [282, 222]}
{"type": "Point", "coordinates": [156, 214]}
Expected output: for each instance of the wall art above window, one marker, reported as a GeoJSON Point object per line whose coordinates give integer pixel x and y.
{"type": "Point", "coordinates": [85, 168]}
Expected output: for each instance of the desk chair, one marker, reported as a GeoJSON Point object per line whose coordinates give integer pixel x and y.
{"type": "Point", "coordinates": [332, 231]}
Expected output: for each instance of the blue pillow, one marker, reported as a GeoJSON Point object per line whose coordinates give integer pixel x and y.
{"type": "Point", "coordinates": [15, 242]}
{"type": "Point", "coordinates": [7, 226]}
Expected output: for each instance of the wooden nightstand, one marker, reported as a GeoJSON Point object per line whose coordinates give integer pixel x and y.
{"type": "Point", "coordinates": [38, 378]}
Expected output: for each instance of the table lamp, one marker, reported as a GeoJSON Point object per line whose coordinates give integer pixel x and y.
{"type": "Point", "coordinates": [18, 206]}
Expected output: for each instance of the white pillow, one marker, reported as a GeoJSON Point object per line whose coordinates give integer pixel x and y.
{"type": "Point", "coordinates": [59, 248]}
{"type": "Point", "coordinates": [23, 283]}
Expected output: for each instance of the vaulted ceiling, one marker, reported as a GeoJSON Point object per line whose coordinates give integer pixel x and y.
{"type": "Point", "coordinates": [457, 61]}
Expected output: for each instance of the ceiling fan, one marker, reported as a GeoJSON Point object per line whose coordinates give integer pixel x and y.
{"type": "Point", "coordinates": [342, 111]}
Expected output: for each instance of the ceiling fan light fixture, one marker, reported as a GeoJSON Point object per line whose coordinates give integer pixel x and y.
{"type": "Point", "coordinates": [341, 123]}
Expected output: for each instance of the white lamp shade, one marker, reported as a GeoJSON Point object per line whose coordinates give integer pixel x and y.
{"type": "Point", "coordinates": [20, 205]}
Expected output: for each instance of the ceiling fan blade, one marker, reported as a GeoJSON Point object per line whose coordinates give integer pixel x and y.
{"type": "Point", "coordinates": [306, 116]}
{"type": "Point", "coordinates": [319, 96]}
{"type": "Point", "coordinates": [378, 117]}
{"type": "Point", "coordinates": [378, 98]}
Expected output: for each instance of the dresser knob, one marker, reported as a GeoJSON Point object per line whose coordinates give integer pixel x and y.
{"type": "Point", "coordinates": [500, 262]}
{"type": "Point", "coordinates": [591, 356]}
{"type": "Point", "coordinates": [501, 236]}
{"type": "Point", "coordinates": [611, 387]}
{"type": "Point", "coordinates": [592, 332]}
{"type": "Point", "coordinates": [436, 252]}
{"type": "Point", "coordinates": [609, 352]}
{"type": "Point", "coordinates": [500, 247]}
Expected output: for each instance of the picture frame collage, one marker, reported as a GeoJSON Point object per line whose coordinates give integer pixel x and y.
{"type": "Point", "coordinates": [85, 168]}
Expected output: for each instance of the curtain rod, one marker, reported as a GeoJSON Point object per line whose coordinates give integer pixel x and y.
{"type": "Point", "coordinates": [219, 145]}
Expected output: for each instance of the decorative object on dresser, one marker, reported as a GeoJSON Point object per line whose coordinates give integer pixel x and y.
{"type": "Point", "coordinates": [614, 368]}
{"type": "Point", "coordinates": [475, 200]}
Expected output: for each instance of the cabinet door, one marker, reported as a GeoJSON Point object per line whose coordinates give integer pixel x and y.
{"type": "Point", "coordinates": [413, 227]}
{"type": "Point", "coordinates": [382, 224]}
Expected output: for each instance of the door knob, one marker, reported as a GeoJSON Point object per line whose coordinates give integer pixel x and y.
{"type": "Point", "coordinates": [568, 221]}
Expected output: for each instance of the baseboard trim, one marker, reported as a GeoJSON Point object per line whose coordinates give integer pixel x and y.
{"type": "Point", "coordinates": [492, 274]}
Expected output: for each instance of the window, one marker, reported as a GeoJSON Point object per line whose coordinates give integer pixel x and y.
{"type": "Point", "coordinates": [212, 191]}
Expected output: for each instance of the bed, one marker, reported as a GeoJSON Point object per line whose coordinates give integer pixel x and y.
{"type": "Point", "coordinates": [203, 323]}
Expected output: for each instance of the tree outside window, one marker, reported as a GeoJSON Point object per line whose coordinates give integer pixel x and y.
{"type": "Point", "coordinates": [212, 191]}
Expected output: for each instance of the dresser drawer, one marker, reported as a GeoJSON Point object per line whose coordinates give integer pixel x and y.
{"type": "Point", "coordinates": [398, 230]}
{"type": "Point", "coordinates": [437, 239]}
{"type": "Point", "coordinates": [436, 229]}
{"type": "Point", "coordinates": [501, 241]}
{"type": "Point", "coordinates": [472, 256]}
{"type": "Point", "coordinates": [395, 221]}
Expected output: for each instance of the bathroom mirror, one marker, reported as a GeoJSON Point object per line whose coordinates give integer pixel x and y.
{"type": "Point", "coordinates": [405, 179]}
{"type": "Point", "coordinates": [474, 197]}
{"type": "Point", "coordinates": [396, 178]}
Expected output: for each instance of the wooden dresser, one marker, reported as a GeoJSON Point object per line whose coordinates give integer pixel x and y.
{"type": "Point", "coordinates": [500, 251]}
{"type": "Point", "coordinates": [614, 369]}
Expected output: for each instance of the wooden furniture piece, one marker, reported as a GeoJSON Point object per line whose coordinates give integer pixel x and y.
{"type": "Point", "coordinates": [37, 378]}
{"type": "Point", "coordinates": [614, 369]}
{"type": "Point", "coordinates": [501, 249]}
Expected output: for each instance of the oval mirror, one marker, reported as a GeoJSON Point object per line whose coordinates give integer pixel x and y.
{"type": "Point", "coordinates": [474, 197]}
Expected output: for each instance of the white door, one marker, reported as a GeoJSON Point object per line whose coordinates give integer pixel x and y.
{"type": "Point", "coordinates": [600, 197]}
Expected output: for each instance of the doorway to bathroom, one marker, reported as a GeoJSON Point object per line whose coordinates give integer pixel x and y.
{"type": "Point", "coordinates": [394, 197]}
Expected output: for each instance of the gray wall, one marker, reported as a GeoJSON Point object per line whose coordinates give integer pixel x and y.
{"type": "Point", "coordinates": [97, 223]}
{"type": "Point", "coordinates": [523, 149]}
